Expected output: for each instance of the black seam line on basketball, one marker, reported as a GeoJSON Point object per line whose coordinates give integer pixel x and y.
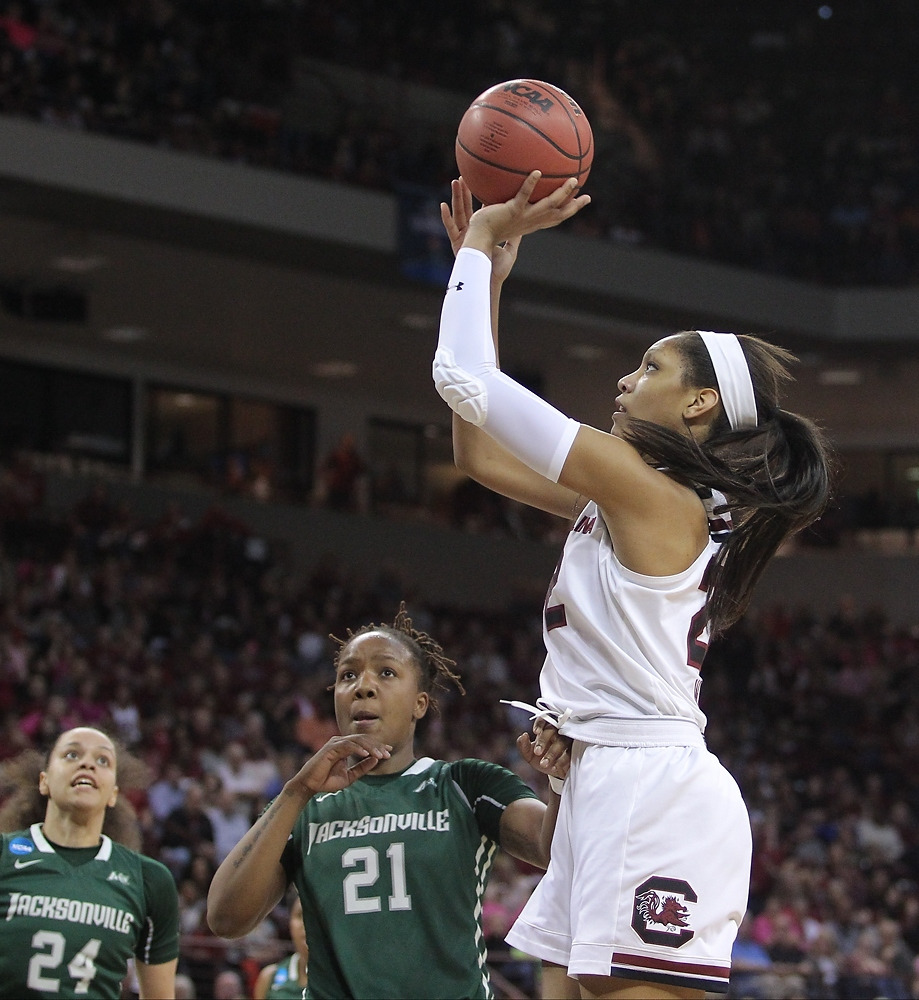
{"type": "Point", "coordinates": [563, 101]}
{"type": "Point", "coordinates": [532, 128]}
{"type": "Point", "coordinates": [564, 104]}
{"type": "Point", "coordinates": [522, 173]}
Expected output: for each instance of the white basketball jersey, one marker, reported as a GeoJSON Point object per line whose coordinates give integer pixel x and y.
{"type": "Point", "coordinates": [621, 645]}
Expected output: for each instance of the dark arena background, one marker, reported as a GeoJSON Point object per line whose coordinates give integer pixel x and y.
{"type": "Point", "coordinates": [221, 269]}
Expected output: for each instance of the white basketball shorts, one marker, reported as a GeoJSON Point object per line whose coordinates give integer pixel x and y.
{"type": "Point", "coordinates": [650, 868]}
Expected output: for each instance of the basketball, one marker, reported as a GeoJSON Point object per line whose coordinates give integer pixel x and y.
{"type": "Point", "coordinates": [519, 126]}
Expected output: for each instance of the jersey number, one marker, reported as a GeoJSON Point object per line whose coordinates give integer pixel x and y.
{"type": "Point", "coordinates": [82, 966]}
{"type": "Point", "coordinates": [554, 616]}
{"type": "Point", "coordinates": [367, 860]}
{"type": "Point", "coordinates": [696, 649]}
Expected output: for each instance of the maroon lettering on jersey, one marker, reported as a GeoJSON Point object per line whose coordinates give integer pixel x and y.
{"type": "Point", "coordinates": [585, 524]}
{"type": "Point", "coordinates": [555, 617]}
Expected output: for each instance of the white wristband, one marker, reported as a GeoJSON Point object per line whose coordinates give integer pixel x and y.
{"type": "Point", "coordinates": [556, 784]}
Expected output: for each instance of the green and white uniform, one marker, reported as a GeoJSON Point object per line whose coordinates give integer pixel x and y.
{"type": "Point", "coordinates": [72, 918]}
{"type": "Point", "coordinates": [391, 872]}
{"type": "Point", "coordinates": [285, 983]}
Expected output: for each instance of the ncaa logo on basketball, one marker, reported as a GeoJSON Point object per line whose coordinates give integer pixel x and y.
{"type": "Point", "coordinates": [660, 914]}
{"type": "Point", "coordinates": [535, 97]}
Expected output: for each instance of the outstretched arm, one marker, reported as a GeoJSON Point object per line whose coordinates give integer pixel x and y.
{"type": "Point", "coordinates": [251, 879]}
{"type": "Point", "coordinates": [475, 452]}
{"type": "Point", "coordinates": [636, 498]}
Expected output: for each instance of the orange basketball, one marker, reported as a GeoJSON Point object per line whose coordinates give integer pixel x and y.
{"type": "Point", "coordinates": [519, 126]}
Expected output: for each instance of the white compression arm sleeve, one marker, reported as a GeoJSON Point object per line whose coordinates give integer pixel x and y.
{"type": "Point", "coordinates": [468, 378]}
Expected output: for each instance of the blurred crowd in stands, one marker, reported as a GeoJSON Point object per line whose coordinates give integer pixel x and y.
{"type": "Point", "coordinates": [779, 136]}
{"type": "Point", "coordinates": [348, 480]}
{"type": "Point", "coordinates": [208, 653]}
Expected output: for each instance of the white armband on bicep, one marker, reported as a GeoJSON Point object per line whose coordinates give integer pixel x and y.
{"type": "Point", "coordinates": [467, 376]}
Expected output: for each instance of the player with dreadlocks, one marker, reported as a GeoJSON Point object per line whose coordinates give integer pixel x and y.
{"type": "Point", "coordinates": [386, 848]}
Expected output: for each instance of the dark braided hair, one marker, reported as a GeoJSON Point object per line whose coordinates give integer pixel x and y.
{"type": "Point", "coordinates": [434, 666]}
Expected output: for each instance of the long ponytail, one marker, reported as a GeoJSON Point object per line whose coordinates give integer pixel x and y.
{"type": "Point", "coordinates": [776, 476]}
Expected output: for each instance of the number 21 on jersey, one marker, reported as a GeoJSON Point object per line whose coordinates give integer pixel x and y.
{"type": "Point", "coordinates": [367, 862]}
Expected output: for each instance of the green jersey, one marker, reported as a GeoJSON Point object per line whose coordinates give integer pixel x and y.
{"type": "Point", "coordinates": [391, 872]}
{"type": "Point", "coordinates": [285, 983]}
{"type": "Point", "coordinates": [72, 918]}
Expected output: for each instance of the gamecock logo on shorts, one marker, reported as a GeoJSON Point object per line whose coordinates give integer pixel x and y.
{"type": "Point", "coordinates": [660, 914]}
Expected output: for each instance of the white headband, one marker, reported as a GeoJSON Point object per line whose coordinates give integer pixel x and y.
{"type": "Point", "coordinates": [733, 374]}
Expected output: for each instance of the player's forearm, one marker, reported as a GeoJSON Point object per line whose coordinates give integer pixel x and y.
{"type": "Point", "coordinates": [547, 830]}
{"type": "Point", "coordinates": [496, 286]}
{"type": "Point", "coordinates": [156, 982]}
{"type": "Point", "coordinates": [468, 379]}
{"type": "Point", "coordinates": [250, 881]}
{"type": "Point", "coordinates": [524, 833]}
{"type": "Point", "coordinates": [474, 451]}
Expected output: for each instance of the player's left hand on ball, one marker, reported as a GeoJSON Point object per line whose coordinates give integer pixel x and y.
{"type": "Point", "coordinates": [457, 214]}
{"type": "Point", "coordinates": [455, 218]}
